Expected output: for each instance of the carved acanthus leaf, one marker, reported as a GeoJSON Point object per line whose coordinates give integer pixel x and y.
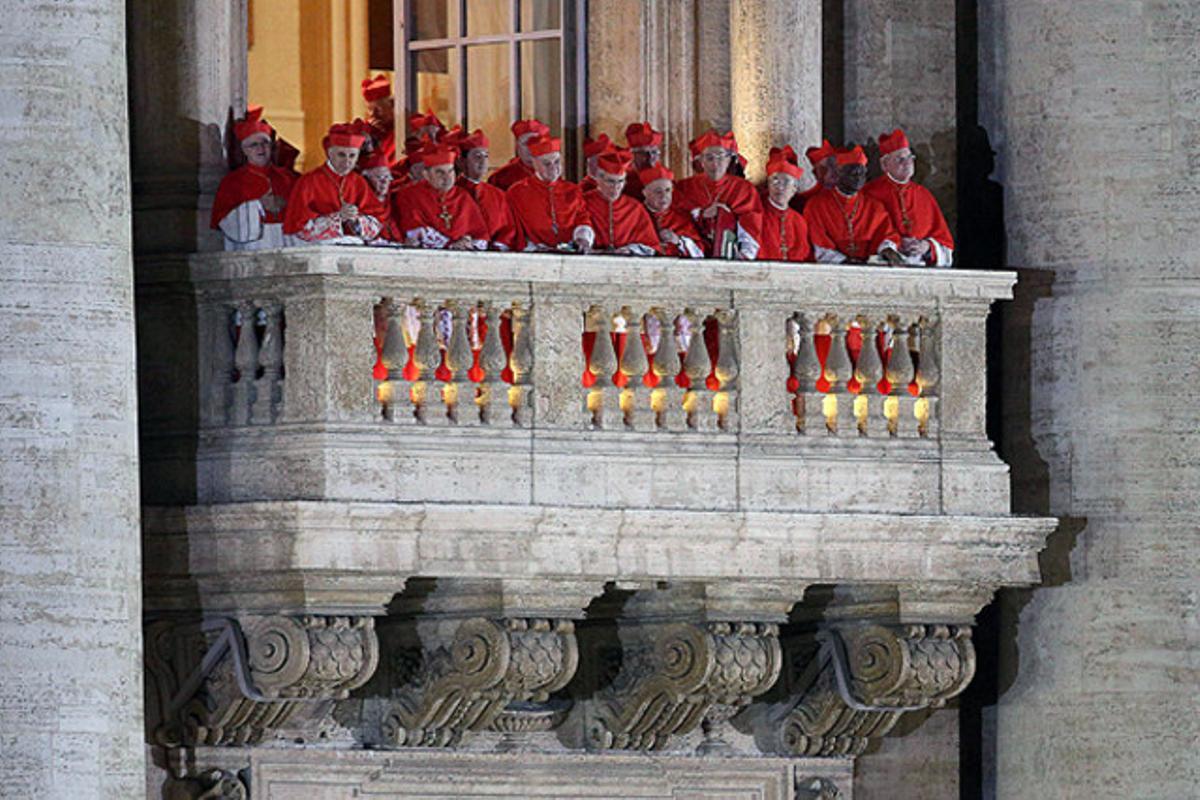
{"type": "Point", "coordinates": [465, 684]}
{"type": "Point", "coordinates": [672, 674]}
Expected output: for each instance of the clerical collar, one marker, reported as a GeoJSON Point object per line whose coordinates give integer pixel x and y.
{"type": "Point", "coordinates": [898, 183]}
{"type": "Point", "coordinates": [777, 208]}
{"type": "Point", "coordinates": [845, 196]}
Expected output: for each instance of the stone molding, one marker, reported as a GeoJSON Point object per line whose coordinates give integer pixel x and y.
{"type": "Point", "coordinates": [861, 679]}
{"type": "Point", "coordinates": [238, 681]}
{"type": "Point", "coordinates": [673, 675]}
{"type": "Point", "coordinates": [466, 682]}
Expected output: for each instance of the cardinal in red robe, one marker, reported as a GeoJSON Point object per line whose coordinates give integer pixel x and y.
{"type": "Point", "coordinates": [925, 238]}
{"type": "Point", "coordinates": [497, 215]}
{"type": "Point", "coordinates": [592, 150]}
{"type": "Point", "coordinates": [519, 166]}
{"type": "Point", "coordinates": [377, 92]}
{"type": "Point", "coordinates": [784, 231]}
{"type": "Point", "coordinates": [249, 205]}
{"type": "Point", "coordinates": [725, 208]}
{"type": "Point", "coordinates": [333, 202]}
{"type": "Point", "coordinates": [621, 223]}
{"type": "Point", "coordinates": [844, 224]}
{"type": "Point", "coordinates": [374, 167]}
{"type": "Point", "coordinates": [549, 211]}
{"type": "Point", "coordinates": [438, 215]}
{"type": "Point", "coordinates": [677, 235]}
{"type": "Point", "coordinates": [646, 145]}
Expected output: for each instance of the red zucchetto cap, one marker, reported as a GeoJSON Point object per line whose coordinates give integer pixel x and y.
{"type": "Point", "coordinates": [438, 155]}
{"type": "Point", "coordinates": [418, 120]}
{"type": "Point", "coordinates": [594, 147]}
{"type": "Point", "coordinates": [343, 135]}
{"type": "Point", "coordinates": [474, 141]}
{"type": "Point", "coordinates": [779, 163]}
{"type": "Point", "coordinates": [526, 126]}
{"type": "Point", "coordinates": [544, 145]}
{"type": "Point", "coordinates": [853, 155]}
{"type": "Point", "coordinates": [453, 137]}
{"type": "Point", "coordinates": [891, 142]}
{"type": "Point", "coordinates": [251, 127]}
{"type": "Point", "coordinates": [640, 134]}
{"type": "Point", "coordinates": [376, 88]}
{"type": "Point", "coordinates": [786, 153]}
{"type": "Point", "coordinates": [818, 154]}
{"type": "Point", "coordinates": [711, 138]}
{"type": "Point", "coordinates": [656, 173]}
{"type": "Point", "coordinates": [615, 162]}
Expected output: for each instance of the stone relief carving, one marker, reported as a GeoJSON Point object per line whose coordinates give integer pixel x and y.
{"type": "Point", "coordinates": [861, 679]}
{"type": "Point", "coordinates": [817, 789]}
{"type": "Point", "coordinates": [213, 784]}
{"type": "Point", "coordinates": [674, 675]}
{"type": "Point", "coordinates": [230, 681]}
{"type": "Point", "coordinates": [483, 676]}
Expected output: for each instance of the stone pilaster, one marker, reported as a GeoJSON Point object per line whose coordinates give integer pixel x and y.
{"type": "Point", "coordinates": [1099, 149]}
{"type": "Point", "coordinates": [70, 569]}
{"type": "Point", "coordinates": [775, 76]}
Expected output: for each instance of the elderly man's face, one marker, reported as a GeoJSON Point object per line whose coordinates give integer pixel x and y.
{"type": "Point", "coordinates": [342, 159]}
{"type": "Point", "coordinates": [851, 177]}
{"type": "Point", "coordinates": [899, 165]}
{"type": "Point", "coordinates": [523, 148]}
{"type": "Point", "coordinates": [658, 195]}
{"type": "Point", "coordinates": [257, 149]}
{"type": "Point", "coordinates": [610, 185]}
{"type": "Point", "coordinates": [548, 168]}
{"type": "Point", "coordinates": [383, 112]}
{"type": "Point", "coordinates": [380, 179]}
{"type": "Point", "coordinates": [780, 189]}
{"type": "Point", "coordinates": [592, 168]}
{"type": "Point", "coordinates": [440, 177]}
{"type": "Point", "coordinates": [475, 163]}
{"type": "Point", "coordinates": [715, 161]}
{"type": "Point", "coordinates": [644, 157]}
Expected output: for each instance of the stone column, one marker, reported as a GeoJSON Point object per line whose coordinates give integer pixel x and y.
{"type": "Point", "coordinates": [1099, 152]}
{"type": "Point", "coordinates": [775, 76]}
{"type": "Point", "coordinates": [70, 571]}
{"type": "Point", "coordinates": [900, 72]}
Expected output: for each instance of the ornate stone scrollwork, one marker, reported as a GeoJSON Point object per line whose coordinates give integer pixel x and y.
{"type": "Point", "coordinates": [468, 683]}
{"type": "Point", "coordinates": [863, 678]}
{"type": "Point", "coordinates": [673, 675]}
{"type": "Point", "coordinates": [808, 788]}
{"type": "Point", "coordinates": [230, 681]}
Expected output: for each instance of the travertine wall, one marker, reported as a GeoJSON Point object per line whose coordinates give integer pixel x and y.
{"type": "Point", "coordinates": [70, 571]}
{"type": "Point", "coordinates": [900, 72]}
{"type": "Point", "coordinates": [1098, 129]}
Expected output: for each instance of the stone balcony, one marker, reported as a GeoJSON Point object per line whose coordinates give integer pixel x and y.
{"type": "Point", "coordinates": [580, 495]}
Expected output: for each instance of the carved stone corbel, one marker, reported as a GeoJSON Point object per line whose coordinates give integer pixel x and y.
{"type": "Point", "coordinates": [861, 679]}
{"type": "Point", "coordinates": [673, 674]}
{"type": "Point", "coordinates": [465, 683]}
{"type": "Point", "coordinates": [238, 681]}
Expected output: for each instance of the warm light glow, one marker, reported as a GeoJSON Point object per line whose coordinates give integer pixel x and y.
{"type": "Point", "coordinates": [658, 400]}
{"type": "Point", "coordinates": [416, 393]}
{"type": "Point", "coordinates": [829, 406]}
{"type": "Point", "coordinates": [384, 392]}
{"type": "Point", "coordinates": [482, 395]}
{"type": "Point", "coordinates": [690, 402]}
{"type": "Point", "coordinates": [861, 407]}
{"type": "Point", "coordinates": [595, 400]}
{"type": "Point", "coordinates": [450, 394]}
{"type": "Point", "coordinates": [626, 401]}
{"type": "Point", "coordinates": [891, 410]}
{"type": "Point", "coordinates": [921, 412]}
{"type": "Point", "coordinates": [514, 397]}
{"type": "Point", "coordinates": [720, 403]}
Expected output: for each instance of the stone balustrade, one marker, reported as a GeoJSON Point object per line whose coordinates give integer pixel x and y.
{"type": "Point", "coordinates": [577, 502]}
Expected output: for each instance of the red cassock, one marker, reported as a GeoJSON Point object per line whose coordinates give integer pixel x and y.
{"type": "Point", "coordinates": [588, 184]}
{"type": "Point", "coordinates": [915, 214]}
{"type": "Point", "coordinates": [247, 183]}
{"type": "Point", "coordinates": [784, 235]}
{"type": "Point", "coordinates": [675, 220]}
{"type": "Point", "coordinates": [502, 231]}
{"type": "Point", "coordinates": [622, 224]}
{"type": "Point", "coordinates": [510, 174]}
{"type": "Point", "coordinates": [854, 227]}
{"type": "Point", "coordinates": [546, 214]}
{"type": "Point", "coordinates": [744, 219]}
{"type": "Point", "coordinates": [436, 220]}
{"type": "Point", "coordinates": [633, 184]}
{"type": "Point", "coordinates": [387, 143]}
{"type": "Point", "coordinates": [322, 192]}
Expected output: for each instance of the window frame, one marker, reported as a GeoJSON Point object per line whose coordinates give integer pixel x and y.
{"type": "Point", "coordinates": [572, 36]}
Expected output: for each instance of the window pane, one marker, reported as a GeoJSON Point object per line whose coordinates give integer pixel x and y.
{"type": "Point", "coordinates": [541, 82]}
{"type": "Point", "coordinates": [434, 19]}
{"type": "Point", "coordinates": [488, 17]}
{"type": "Point", "coordinates": [540, 15]}
{"type": "Point", "coordinates": [489, 86]}
{"type": "Point", "coordinates": [436, 77]}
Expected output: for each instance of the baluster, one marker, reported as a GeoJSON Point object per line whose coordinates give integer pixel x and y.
{"type": "Point", "coordinates": [900, 365]}
{"type": "Point", "coordinates": [493, 399]}
{"type": "Point", "coordinates": [245, 360]}
{"type": "Point", "coordinates": [603, 365]}
{"type": "Point", "coordinates": [459, 359]}
{"type": "Point", "coordinates": [837, 363]}
{"type": "Point", "coordinates": [696, 365]}
{"type": "Point", "coordinates": [268, 388]}
{"type": "Point", "coordinates": [929, 372]}
{"type": "Point", "coordinates": [666, 398]}
{"type": "Point", "coordinates": [635, 397]}
{"type": "Point", "coordinates": [521, 364]}
{"type": "Point", "coordinates": [426, 358]}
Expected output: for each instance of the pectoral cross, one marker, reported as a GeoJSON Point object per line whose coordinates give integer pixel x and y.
{"type": "Point", "coordinates": [446, 217]}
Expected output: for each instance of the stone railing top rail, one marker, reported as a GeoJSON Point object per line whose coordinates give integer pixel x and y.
{"type": "Point", "coordinates": [657, 273]}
